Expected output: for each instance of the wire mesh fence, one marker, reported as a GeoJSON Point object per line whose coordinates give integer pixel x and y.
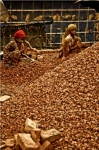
{"type": "Point", "coordinates": [59, 14]}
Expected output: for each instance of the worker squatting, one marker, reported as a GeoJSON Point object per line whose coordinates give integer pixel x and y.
{"type": "Point", "coordinates": [15, 49]}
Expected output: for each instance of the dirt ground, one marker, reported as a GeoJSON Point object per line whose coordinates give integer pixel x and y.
{"type": "Point", "coordinates": [61, 94]}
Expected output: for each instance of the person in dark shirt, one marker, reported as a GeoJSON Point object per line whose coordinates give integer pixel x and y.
{"type": "Point", "coordinates": [14, 49]}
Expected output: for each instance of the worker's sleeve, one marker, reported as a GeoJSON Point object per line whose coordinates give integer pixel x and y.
{"type": "Point", "coordinates": [10, 52]}
{"type": "Point", "coordinates": [10, 47]}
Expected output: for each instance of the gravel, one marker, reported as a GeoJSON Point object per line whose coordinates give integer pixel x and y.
{"type": "Point", "coordinates": [61, 94]}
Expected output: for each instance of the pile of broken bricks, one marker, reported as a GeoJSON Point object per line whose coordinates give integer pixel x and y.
{"type": "Point", "coordinates": [33, 138]}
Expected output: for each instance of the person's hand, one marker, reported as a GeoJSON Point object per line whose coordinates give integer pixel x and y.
{"type": "Point", "coordinates": [78, 44]}
{"type": "Point", "coordinates": [63, 58]}
{"type": "Point", "coordinates": [37, 51]}
{"type": "Point", "coordinates": [17, 51]}
{"type": "Point", "coordinates": [34, 49]}
{"type": "Point", "coordinates": [24, 49]}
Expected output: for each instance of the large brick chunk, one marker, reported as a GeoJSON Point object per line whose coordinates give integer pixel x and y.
{"type": "Point", "coordinates": [15, 137]}
{"type": "Point", "coordinates": [17, 146]}
{"type": "Point", "coordinates": [38, 142]}
{"type": "Point", "coordinates": [10, 142]}
{"type": "Point", "coordinates": [33, 135]}
{"type": "Point", "coordinates": [46, 146]}
{"type": "Point", "coordinates": [37, 131]}
{"type": "Point", "coordinates": [8, 148]}
{"type": "Point", "coordinates": [25, 141]}
{"type": "Point", "coordinates": [50, 135]}
{"type": "Point", "coordinates": [4, 98]}
{"type": "Point", "coordinates": [30, 125]}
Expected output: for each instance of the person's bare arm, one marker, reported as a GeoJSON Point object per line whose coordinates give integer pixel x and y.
{"type": "Point", "coordinates": [77, 44]}
{"type": "Point", "coordinates": [29, 47]}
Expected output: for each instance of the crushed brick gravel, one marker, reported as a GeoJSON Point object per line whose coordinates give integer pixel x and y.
{"type": "Point", "coordinates": [61, 94]}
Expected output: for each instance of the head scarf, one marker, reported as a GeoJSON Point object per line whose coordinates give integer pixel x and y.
{"type": "Point", "coordinates": [19, 34]}
{"type": "Point", "coordinates": [69, 28]}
